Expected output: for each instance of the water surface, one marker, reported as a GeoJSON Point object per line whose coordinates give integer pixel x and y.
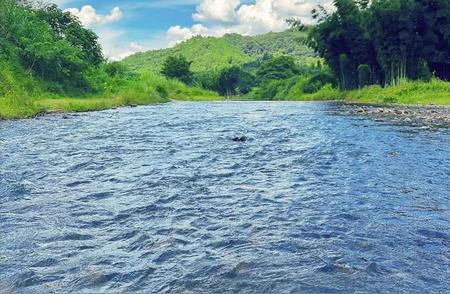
{"type": "Point", "coordinates": [161, 199]}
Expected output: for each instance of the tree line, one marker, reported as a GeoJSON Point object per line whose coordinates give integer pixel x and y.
{"type": "Point", "coordinates": [383, 41]}
{"type": "Point", "coordinates": [240, 80]}
{"type": "Point", "coordinates": [362, 43]}
{"type": "Point", "coordinates": [53, 47]}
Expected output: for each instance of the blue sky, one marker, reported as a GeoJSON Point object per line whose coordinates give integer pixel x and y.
{"type": "Point", "coordinates": [125, 27]}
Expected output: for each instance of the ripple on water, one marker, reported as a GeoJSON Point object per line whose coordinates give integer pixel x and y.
{"type": "Point", "coordinates": [163, 199]}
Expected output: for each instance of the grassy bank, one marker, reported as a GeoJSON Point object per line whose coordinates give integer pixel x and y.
{"type": "Point", "coordinates": [151, 88]}
{"type": "Point", "coordinates": [145, 90]}
{"type": "Point", "coordinates": [408, 92]}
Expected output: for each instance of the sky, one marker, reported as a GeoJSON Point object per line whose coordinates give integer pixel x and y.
{"type": "Point", "coordinates": [129, 26]}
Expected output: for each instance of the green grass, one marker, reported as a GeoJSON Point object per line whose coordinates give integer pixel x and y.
{"type": "Point", "coordinates": [434, 92]}
{"type": "Point", "coordinates": [15, 106]}
{"type": "Point", "coordinates": [148, 89]}
{"type": "Point", "coordinates": [408, 92]}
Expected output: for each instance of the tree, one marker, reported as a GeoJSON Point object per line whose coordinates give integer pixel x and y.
{"type": "Point", "coordinates": [233, 80]}
{"type": "Point", "coordinates": [39, 38]}
{"type": "Point", "coordinates": [177, 67]}
{"type": "Point", "coordinates": [433, 17]}
{"type": "Point", "coordinates": [115, 69]}
{"type": "Point", "coordinates": [363, 75]}
{"type": "Point", "coordinates": [67, 27]}
{"type": "Point", "coordinates": [396, 39]}
{"type": "Point", "coordinates": [392, 27]}
{"type": "Point", "coordinates": [340, 39]}
{"type": "Point", "coordinates": [278, 68]}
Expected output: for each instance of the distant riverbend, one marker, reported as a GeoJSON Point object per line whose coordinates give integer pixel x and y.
{"type": "Point", "coordinates": [278, 197]}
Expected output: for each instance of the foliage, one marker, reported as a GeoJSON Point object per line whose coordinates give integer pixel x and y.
{"type": "Point", "coordinates": [363, 75]}
{"type": "Point", "coordinates": [394, 38]}
{"type": "Point", "coordinates": [67, 27]}
{"type": "Point", "coordinates": [49, 43]}
{"type": "Point", "coordinates": [214, 54]}
{"type": "Point", "coordinates": [115, 69]}
{"type": "Point", "coordinates": [277, 68]}
{"type": "Point", "coordinates": [232, 81]}
{"type": "Point", "coordinates": [177, 67]}
{"type": "Point", "coordinates": [318, 81]}
{"type": "Point", "coordinates": [206, 79]}
{"type": "Point", "coordinates": [423, 71]}
{"type": "Point", "coordinates": [49, 62]}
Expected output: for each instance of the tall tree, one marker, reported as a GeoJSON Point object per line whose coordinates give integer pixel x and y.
{"type": "Point", "coordinates": [177, 67]}
{"type": "Point", "coordinates": [396, 39]}
{"type": "Point", "coordinates": [434, 27]}
{"type": "Point", "coordinates": [67, 27]}
{"type": "Point", "coordinates": [340, 39]}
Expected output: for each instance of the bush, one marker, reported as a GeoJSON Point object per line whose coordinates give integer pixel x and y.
{"type": "Point", "coordinates": [206, 80]}
{"type": "Point", "coordinates": [115, 69]}
{"type": "Point", "coordinates": [234, 80]}
{"type": "Point", "coordinates": [269, 90]}
{"type": "Point", "coordinates": [177, 67]}
{"type": "Point", "coordinates": [317, 81]}
{"type": "Point", "coordinates": [278, 68]}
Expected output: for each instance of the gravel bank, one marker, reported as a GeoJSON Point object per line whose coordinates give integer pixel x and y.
{"type": "Point", "coordinates": [433, 115]}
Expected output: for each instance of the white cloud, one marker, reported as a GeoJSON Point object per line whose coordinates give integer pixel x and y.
{"type": "Point", "coordinates": [178, 33]}
{"type": "Point", "coordinates": [110, 39]}
{"type": "Point", "coordinates": [114, 47]}
{"type": "Point", "coordinates": [217, 11]}
{"type": "Point", "coordinates": [212, 17]}
{"type": "Point", "coordinates": [218, 17]}
{"type": "Point", "coordinates": [89, 17]}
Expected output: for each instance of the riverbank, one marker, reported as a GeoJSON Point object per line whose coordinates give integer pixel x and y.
{"type": "Point", "coordinates": [429, 115]}
{"type": "Point", "coordinates": [13, 109]}
{"type": "Point", "coordinates": [435, 92]}
{"type": "Point", "coordinates": [146, 91]}
{"type": "Point", "coordinates": [411, 101]}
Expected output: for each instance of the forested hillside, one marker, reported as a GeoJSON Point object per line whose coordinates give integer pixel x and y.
{"type": "Point", "coordinates": [50, 62]}
{"type": "Point", "coordinates": [384, 45]}
{"type": "Point", "coordinates": [210, 53]}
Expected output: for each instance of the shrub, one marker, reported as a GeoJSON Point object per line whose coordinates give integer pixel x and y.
{"type": "Point", "coordinates": [234, 80]}
{"type": "Point", "coordinates": [177, 67]}
{"type": "Point", "coordinates": [317, 81]}
{"type": "Point", "coordinates": [115, 69]}
{"type": "Point", "coordinates": [278, 68]}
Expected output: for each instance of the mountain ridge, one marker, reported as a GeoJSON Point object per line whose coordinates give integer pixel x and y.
{"type": "Point", "coordinates": [215, 53]}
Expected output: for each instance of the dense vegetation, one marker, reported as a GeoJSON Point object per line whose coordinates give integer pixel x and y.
{"type": "Point", "coordinates": [359, 44]}
{"type": "Point", "coordinates": [384, 41]}
{"type": "Point", "coordinates": [213, 54]}
{"type": "Point", "coordinates": [49, 62]}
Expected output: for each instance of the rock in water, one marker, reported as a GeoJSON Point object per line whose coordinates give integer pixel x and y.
{"type": "Point", "coordinates": [240, 139]}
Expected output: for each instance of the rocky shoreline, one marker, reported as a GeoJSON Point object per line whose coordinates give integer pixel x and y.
{"type": "Point", "coordinates": [419, 115]}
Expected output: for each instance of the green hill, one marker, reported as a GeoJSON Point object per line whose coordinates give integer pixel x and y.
{"type": "Point", "coordinates": [210, 53]}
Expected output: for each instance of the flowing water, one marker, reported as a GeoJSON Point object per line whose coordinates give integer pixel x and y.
{"type": "Point", "coordinates": [162, 199]}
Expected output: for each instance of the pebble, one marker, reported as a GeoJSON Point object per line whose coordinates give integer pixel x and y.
{"type": "Point", "coordinates": [420, 115]}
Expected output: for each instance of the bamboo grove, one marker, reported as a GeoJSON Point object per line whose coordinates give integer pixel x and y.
{"type": "Point", "coordinates": [384, 41]}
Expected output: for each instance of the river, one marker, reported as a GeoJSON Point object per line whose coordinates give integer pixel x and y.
{"type": "Point", "coordinates": [161, 199]}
